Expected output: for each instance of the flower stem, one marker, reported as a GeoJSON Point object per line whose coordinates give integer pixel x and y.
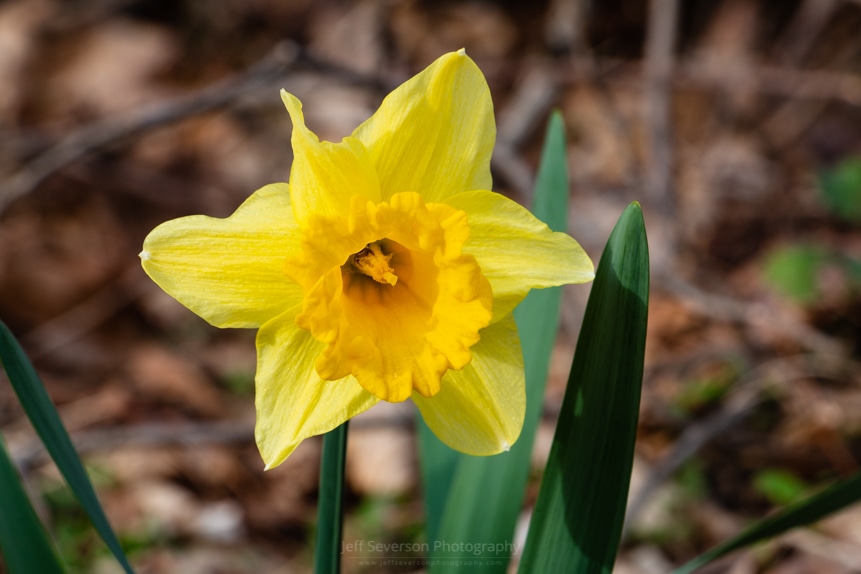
{"type": "Point", "coordinates": [327, 556]}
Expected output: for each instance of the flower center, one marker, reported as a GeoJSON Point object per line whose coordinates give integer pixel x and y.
{"type": "Point", "coordinates": [372, 262]}
{"type": "Point", "coordinates": [402, 310]}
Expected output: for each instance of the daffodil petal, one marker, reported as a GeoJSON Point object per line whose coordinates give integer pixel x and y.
{"type": "Point", "coordinates": [435, 133]}
{"type": "Point", "coordinates": [293, 402]}
{"type": "Point", "coordinates": [325, 175]}
{"type": "Point", "coordinates": [516, 251]}
{"type": "Point", "coordinates": [228, 271]}
{"type": "Point", "coordinates": [479, 410]}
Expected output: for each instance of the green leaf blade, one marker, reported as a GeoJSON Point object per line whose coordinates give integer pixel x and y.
{"type": "Point", "coordinates": [578, 518]}
{"type": "Point", "coordinates": [25, 545]}
{"type": "Point", "coordinates": [476, 500]}
{"type": "Point", "coordinates": [438, 465]}
{"type": "Point", "coordinates": [43, 415]}
{"type": "Point", "coordinates": [838, 496]}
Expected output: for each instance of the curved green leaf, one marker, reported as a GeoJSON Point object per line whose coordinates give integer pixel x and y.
{"type": "Point", "coordinates": [577, 521]}
{"type": "Point", "coordinates": [438, 464]}
{"type": "Point", "coordinates": [25, 545]}
{"type": "Point", "coordinates": [836, 497]}
{"type": "Point", "coordinates": [42, 414]}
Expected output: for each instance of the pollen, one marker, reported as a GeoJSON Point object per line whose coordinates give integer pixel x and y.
{"type": "Point", "coordinates": [371, 261]}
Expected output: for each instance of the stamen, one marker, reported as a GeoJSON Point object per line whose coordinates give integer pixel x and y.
{"type": "Point", "coordinates": [371, 261]}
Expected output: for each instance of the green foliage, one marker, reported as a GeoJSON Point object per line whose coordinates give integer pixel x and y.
{"type": "Point", "coordinates": [330, 502]}
{"type": "Point", "coordinates": [77, 541]}
{"type": "Point", "coordinates": [853, 271]}
{"type": "Point", "coordinates": [797, 270]}
{"type": "Point", "coordinates": [577, 521]}
{"type": "Point", "coordinates": [474, 500]}
{"type": "Point", "coordinates": [692, 480]}
{"type": "Point", "coordinates": [841, 189]}
{"type": "Point", "coordinates": [838, 496]}
{"type": "Point", "coordinates": [25, 545]}
{"type": "Point", "coordinates": [42, 414]}
{"type": "Point", "coordinates": [794, 271]}
{"type": "Point", "coordinates": [779, 486]}
{"type": "Point", "coordinates": [239, 382]}
{"type": "Point", "coordinates": [699, 393]}
{"type": "Point", "coordinates": [438, 466]}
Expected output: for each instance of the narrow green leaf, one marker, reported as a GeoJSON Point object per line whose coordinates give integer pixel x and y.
{"type": "Point", "coordinates": [25, 546]}
{"type": "Point", "coordinates": [838, 496]}
{"type": "Point", "coordinates": [330, 502]}
{"type": "Point", "coordinates": [550, 203]}
{"type": "Point", "coordinates": [486, 494]}
{"type": "Point", "coordinates": [42, 414]}
{"type": "Point", "coordinates": [577, 521]}
{"type": "Point", "coordinates": [438, 466]}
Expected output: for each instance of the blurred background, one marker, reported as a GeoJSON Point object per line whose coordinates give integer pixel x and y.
{"type": "Point", "coordinates": [736, 124]}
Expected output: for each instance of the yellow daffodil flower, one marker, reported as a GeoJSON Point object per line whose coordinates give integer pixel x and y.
{"type": "Point", "coordinates": [385, 270]}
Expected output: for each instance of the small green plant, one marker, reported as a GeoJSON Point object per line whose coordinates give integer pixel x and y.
{"type": "Point", "coordinates": [794, 271]}
{"type": "Point", "coordinates": [808, 273]}
{"type": "Point", "coordinates": [841, 189]}
{"type": "Point", "coordinates": [779, 486]}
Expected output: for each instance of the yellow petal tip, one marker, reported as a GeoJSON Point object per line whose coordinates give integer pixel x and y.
{"type": "Point", "coordinates": [293, 105]}
{"type": "Point", "coordinates": [144, 255]}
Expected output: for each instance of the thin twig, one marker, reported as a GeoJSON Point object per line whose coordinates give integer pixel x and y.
{"type": "Point", "coordinates": [776, 81]}
{"type": "Point", "coordinates": [809, 21]}
{"type": "Point", "coordinates": [535, 94]}
{"type": "Point", "coordinates": [746, 313]}
{"type": "Point", "coordinates": [834, 549]}
{"type": "Point", "coordinates": [565, 25]}
{"type": "Point", "coordinates": [658, 70]}
{"type": "Point", "coordinates": [89, 139]}
{"type": "Point", "coordinates": [747, 393]}
{"type": "Point", "coordinates": [85, 141]}
{"type": "Point", "coordinates": [86, 316]}
{"type": "Point", "coordinates": [769, 80]}
{"type": "Point", "coordinates": [189, 434]}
